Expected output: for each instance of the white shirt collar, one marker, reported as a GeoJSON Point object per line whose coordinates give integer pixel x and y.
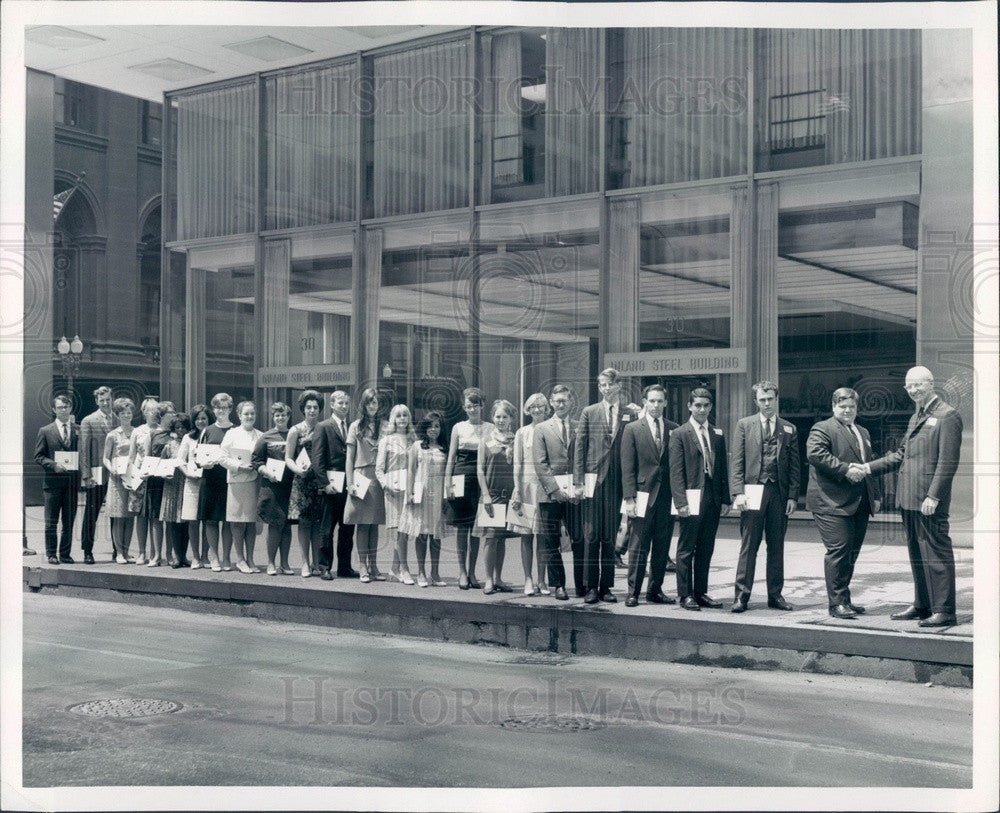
{"type": "Point", "coordinates": [652, 423]}
{"type": "Point", "coordinates": [697, 426]}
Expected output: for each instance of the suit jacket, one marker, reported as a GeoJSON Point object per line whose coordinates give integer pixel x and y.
{"type": "Point", "coordinates": [748, 451]}
{"type": "Point", "coordinates": [48, 442]}
{"type": "Point", "coordinates": [551, 455]}
{"type": "Point", "coordinates": [594, 440]}
{"type": "Point", "coordinates": [93, 432]}
{"type": "Point", "coordinates": [687, 464]}
{"type": "Point", "coordinates": [927, 458]}
{"type": "Point", "coordinates": [329, 450]}
{"type": "Point", "coordinates": [644, 467]}
{"type": "Point", "coordinates": [830, 448]}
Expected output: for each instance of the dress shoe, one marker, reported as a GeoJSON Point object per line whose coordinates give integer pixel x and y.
{"type": "Point", "coordinates": [28, 551]}
{"type": "Point", "coordinates": [708, 601]}
{"type": "Point", "coordinates": [778, 603]}
{"type": "Point", "coordinates": [842, 611]}
{"type": "Point", "coordinates": [88, 558]}
{"type": "Point", "coordinates": [581, 592]}
{"type": "Point", "coordinates": [688, 603]}
{"type": "Point", "coordinates": [53, 560]}
{"type": "Point", "coordinates": [739, 606]}
{"type": "Point", "coordinates": [348, 574]}
{"type": "Point", "coordinates": [608, 596]}
{"type": "Point", "coordinates": [66, 560]}
{"type": "Point", "coordinates": [619, 562]}
{"type": "Point", "coordinates": [939, 620]}
{"type": "Point", "coordinates": [621, 550]}
{"type": "Point", "coordinates": [591, 597]}
{"type": "Point", "coordinates": [857, 608]}
{"type": "Point", "coordinates": [911, 613]}
{"type": "Point", "coordinates": [631, 601]}
{"type": "Point", "coordinates": [326, 575]}
{"type": "Point", "coordinates": [671, 566]}
{"type": "Point", "coordinates": [560, 594]}
{"type": "Point", "coordinates": [659, 598]}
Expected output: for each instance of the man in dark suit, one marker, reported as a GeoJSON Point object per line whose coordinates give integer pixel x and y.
{"type": "Point", "coordinates": [60, 486]}
{"type": "Point", "coordinates": [927, 460]}
{"type": "Point", "coordinates": [765, 452]}
{"type": "Point", "coordinates": [646, 468]}
{"type": "Point", "coordinates": [93, 432]}
{"type": "Point", "coordinates": [698, 460]}
{"type": "Point", "coordinates": [840, 497]}
{"type": "Point", "coordinates": [329, 453]}
{"type": "Point", "coordinates": [552, 451]}
{"type": "Point", "coordinates": [598, 453]}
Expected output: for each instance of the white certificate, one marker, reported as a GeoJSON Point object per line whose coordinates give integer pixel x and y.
{"type": "Point", "coordinates": [565, 483]}
{"type": "Point", "coordinates": [754, 494]}
{"type": "Point", "coordinates": [149, 466]}
{"type": "Point", "coordinates": [166, 468]}
{"type": "Point", "coordinates": [641, 503]}
{"type": "Point", "coordinates": [275, 467]}
{"type": "Point", "coordinates": [458, 484]}
{"type": "Point", "coordinates": [396, 479]}
{"type": "Point", "coordinates": [241, 456]}
{"type": "Point", "coordinates": [694, 502]}
{"type": "Point", "coordinates": [195, 472]}
{"type": "Point", "coordinates": [337, 478]}
{"type": "Point", "coordinates": [97, 475]}
{"type": "Point", "coordinates": [525, 516]}
{"type": "Point", "coordinates": [132, 479]}
{"type": "Point", "coordinates": [68, 460]}
{"type": "Point", "coordinates": [361, 485]}
{"type": "Point", "coordinates": [121, 465]}
{"type": "Point", "coordinates": [303, 461]}
{"type": "Point", "coordinates": [498, 520]}
{"type": "Point", "coordinates": [204, 454]}
{"type": "Point", "coordinates": [589, 484]}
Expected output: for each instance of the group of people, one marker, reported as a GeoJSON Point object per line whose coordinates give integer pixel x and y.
{"type": "Point", "coordinates": [193, 489]}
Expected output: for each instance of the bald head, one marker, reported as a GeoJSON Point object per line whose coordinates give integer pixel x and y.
{"type": "Point", "coordinates": [919, 385]}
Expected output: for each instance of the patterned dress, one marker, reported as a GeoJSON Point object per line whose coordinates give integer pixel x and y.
{"type": "Point", "coordinates": [191, 490]}
{"type": "Point", "coordinates": [304, 502]}
{"type": "Point", "coordinates": [116, 447]}
{"type": "Point", "coordinates": [173, 489]}
{"type": "Point", "coordinates": [391, 457]}
{"type": "Point", "coordinates": [370, 510]}
{"type": "Point", "coordinates": [139, 442]}
{"type": "Point", "coordinates": [425, 517]}
{"type": "Point", "coordinates": [526, 479]}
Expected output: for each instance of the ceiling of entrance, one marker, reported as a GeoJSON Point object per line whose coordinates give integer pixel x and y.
{"type": "Point", "coordinates": [146, 61]}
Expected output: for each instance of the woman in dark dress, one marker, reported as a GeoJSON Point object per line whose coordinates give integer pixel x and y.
{"type": "Point", "coordinates": [305, 505]}
{"type": "Point", "coordinates": [462, 455]}
{"type": "Point", "coordinates": [175, 529]}
{"type": "Point", "coordinates": [495, 470]}
{"type": "Point", "coordinates": [272, 501]}
{"type": "Point", "coordinates": [212, 497]}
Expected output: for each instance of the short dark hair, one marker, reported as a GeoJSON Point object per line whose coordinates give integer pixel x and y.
{"type": "Point", "coordinates": [310, 395]}
{"type": "Point", "coordinates": [164, 408]}
{"type": "Point", "coordinates": [843, 394]}
{"type": "Point", "coordinates": [279, 406]}
{"type": "Point", "coordinates": [559, 389]}
{"type": "Point", "coordinates": [425, 424]}
{"type": "Point", "coordinates": [700, 392]}
{"type": "Point", "coordinates": [101, 391]}
{"type": "Point", "coordinates": [764, 386]}
{"type": "Point", "coordinates": [609, 373]}
{"type": "Point", "coordinates": [654, 388]}
{"type": "Point", "coordinates": [179, 424]}
{"type": "Point", "coordinates": [195, 411]}
{"type": "Point", "coordinates": [119, 405]}
{"type": "Point", "coordinates": [222, 399]}
{"type": "Point", "coordinates": [473, 394]}
{"type": "Point", "coordinates": [62, 399]}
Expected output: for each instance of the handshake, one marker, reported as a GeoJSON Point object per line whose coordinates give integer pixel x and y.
{"type": "Point", "coordinates": [857, 472]}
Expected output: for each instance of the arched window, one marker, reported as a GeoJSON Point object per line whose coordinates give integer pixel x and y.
{"type": "Point", "coordinates": [74, 222]}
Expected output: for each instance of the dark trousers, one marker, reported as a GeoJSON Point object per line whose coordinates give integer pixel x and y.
{"type": "Point", "coordinates": [650, 534]}
{"type": "Point", "coordinates": [843, 537]}
{"type": "Point", "coordinates": [95, 499]}
{"type": "Point", "coordinates": [696, 545]}
{"type": "Point", "coordinates": [598, 559]}
{"type": "Point", "coordinates": [768, 523]}
{"type": "Point", "coordinates": [932, 561]}
{"type": "Point", "coordinates": [552, 515]}
{"type": "Point", "coordinates": [179, 539]}
{"type": "Point", "coordinates": [59, 502]}
{"type": "Point", "coordinates": [333, 517]}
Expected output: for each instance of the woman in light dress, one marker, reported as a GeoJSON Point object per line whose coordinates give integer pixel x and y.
{"type": "Point", "coordinates": [175, 532]}
{"type": "Point", "coordinates": [200, 417]}
{"type": "Point", "coordinates": [525, 521]}
{"type": "Point", "coordinates": [462, 454]}
{"type": "Point", "coordinates": [305, 505]}
{"type": "Point", "coordinates": [243, 484]}
{"type": "Point", "coordinates": [495, 470]}
{"type": "Point", "coordinates": [136, 454]}
{"type": "Point", "coordinates": [116, 451]}
{"type": "Point", "coordinates": [272, 503]}
{"type": "Point", "coordinates": [368, 512]}
{"type": "Point", "coordinates": [391, 471]}
{"type": "Point", "coordinates": [422, 509]}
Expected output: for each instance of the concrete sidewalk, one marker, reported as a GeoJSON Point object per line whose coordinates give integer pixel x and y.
{"type": "Point", "coordinates": [805, 639]}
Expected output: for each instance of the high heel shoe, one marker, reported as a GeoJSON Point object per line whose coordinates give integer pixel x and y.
{"type": "Point", "coordinates": [529, 589]}
{"type": "Point", "coordinates": [406, 578]}
{"type": "Point", "coordinates": [473, 584]}
{"type": "Point", "coordinates": [272, 570]}
{"type": "Point", "coordinates": [306, 572]}
{"type": "Point", "coordinates": [463, 585]}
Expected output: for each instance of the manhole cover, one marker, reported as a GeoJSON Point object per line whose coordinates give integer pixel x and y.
{"type": "Point", "coordinates": [564, 723]}
{"type": "Point", "coordinates": [125, 707]}
{"type": "Point", "coordinates": [540, 660]}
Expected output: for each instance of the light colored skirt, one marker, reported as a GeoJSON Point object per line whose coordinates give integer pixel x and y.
{"type": "Point", "coordinates": [241, 501]}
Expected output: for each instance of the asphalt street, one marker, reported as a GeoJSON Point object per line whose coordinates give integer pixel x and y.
{"type": "Point", "coordinates": [270, 703]}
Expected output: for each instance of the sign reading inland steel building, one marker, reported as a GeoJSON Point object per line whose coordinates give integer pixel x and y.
{"type": "Point", "coordinates": [308, 377]}
{"type": "Point", "coordinates": [679, 362]}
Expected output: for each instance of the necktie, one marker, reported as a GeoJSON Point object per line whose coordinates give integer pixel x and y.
{"type": "Point", "coordinates": [340, 429]}
{"type": "Point", "coordinates": [565, 433]}
{"type": "Point", "coordinates": [708, 450]}
{"type": "Point", "coordinates": [658, 435]}
{"type": "Point", "coordinates": [767, 430]}
{"type": "Point", "coordinates": [860, 442]}
{"type": "Point", "coordinates": [64, 431]}
{"type": "Point", "coordinates": [611, 418]}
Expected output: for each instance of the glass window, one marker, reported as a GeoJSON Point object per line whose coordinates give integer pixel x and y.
{"type": "Point", "coordinates": [152, 123]}
{"type": "Point", "coordinates": [834, 96]}
{"type": "Point", "coordinates": [229, 332]}
{"type": "Point", "coordinates": [75, 105]}
{"type": "Point", "coordinates": [173, 334]}
{"type": "Point", "coordinates": [420, 130]}
{"type": "Point", "coordinates": [312, 141]}
{"type": "Point", "coordinates": [217, 162]}
{"type": "Point", "coordinates": [677, 105]}
{"type": "Point", "coordinates": [319, 319]}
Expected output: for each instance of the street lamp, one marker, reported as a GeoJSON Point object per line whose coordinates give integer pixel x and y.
{"type": "Point", "coordinates": [70, 354]}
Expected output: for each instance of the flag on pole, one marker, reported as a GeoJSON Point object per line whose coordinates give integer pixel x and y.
{"type": "Point", "coordinates": [62, 198]}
